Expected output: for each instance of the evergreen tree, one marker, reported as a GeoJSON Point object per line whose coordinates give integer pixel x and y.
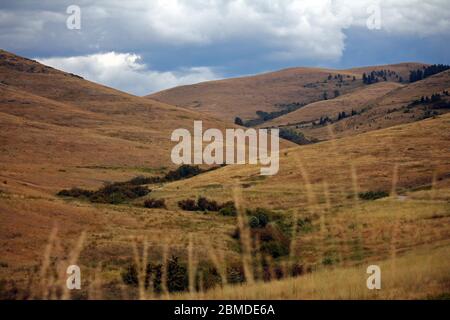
{"type": "Point", "coordinates": [238, 121]}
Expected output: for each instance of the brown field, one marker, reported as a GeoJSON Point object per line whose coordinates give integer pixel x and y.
{"type": "Point", "coordinates": [59, 131]}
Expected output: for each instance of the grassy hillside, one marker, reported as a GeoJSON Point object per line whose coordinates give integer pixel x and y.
{"type": "Point", "coordinates": [59, 130]}
{"type": "Point", "coordinates": [391, 108]}
{"type": "Point", "coordinates": [333, 208]}
{"type": "Point", "coordinates": [323, 187]}
{"type": "Point", "coordinates": [418, 150]}
{"type": "Point", "coordinates": [355, 100]}
{"type": "Point", "coordinates": [242, 97]}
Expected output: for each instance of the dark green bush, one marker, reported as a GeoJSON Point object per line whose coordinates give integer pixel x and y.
{"type": "Point", "coordinates": [373, 195]}
{"type": "Point", "coordinates": [140, 180]}
{"type": "Point", "coordinates": [204, 204]}
{"type": "Point", "coordinates": [183, 172]}
{"type": "Point", "coordinates": [118, 192]}
{"type": "Point", "coordinates": [111, 193]}
{"type": "Point", "coordinates": [75, 193]}
{"type": "Point", "coordinates": [253, 222]}
{"type": "Point", "coordinates": [269, 228]}
{"type": "Point", "coordinates": [188, 205]}
{"type": "Point", "coordinates": [274, 248]}
{"type": "Point", "coordinates": [228, 209]}
{"type": "Point", "coordinates": [258, 218]}
{"type": "Point", "coordinates": [305, 224]}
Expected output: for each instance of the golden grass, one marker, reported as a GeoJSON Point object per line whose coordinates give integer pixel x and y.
{"type": "Point", "coordinates": [45, 152]}
{"type": "Point", "coordinates": [418, 275]}
{"type": "Point", "coordinates": [226, 99]}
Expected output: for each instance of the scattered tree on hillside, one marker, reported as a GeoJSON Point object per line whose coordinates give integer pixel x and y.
{"type": "Point", "coordinates": [342, 115]}
{"type": "Point", "coordinates": [425, 72]}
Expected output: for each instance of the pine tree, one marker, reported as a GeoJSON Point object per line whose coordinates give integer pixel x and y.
{"type": "Point", "coordinates": [238, 121]}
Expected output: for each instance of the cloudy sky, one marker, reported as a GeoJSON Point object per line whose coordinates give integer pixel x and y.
{"type": "Point", "coordinates": [142, 46]}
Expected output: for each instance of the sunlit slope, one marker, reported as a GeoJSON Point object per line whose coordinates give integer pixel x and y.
{"type": "Point", "coordinates": [403, 157]}
{"type": "Point", "coordinates": [390, 109]}
{"type": "Point", "coordinates": [243, 96]}
{"type": "Point", "coordinates": [422, 274]}
{"type": "Point", "coordinates": [58, 129]}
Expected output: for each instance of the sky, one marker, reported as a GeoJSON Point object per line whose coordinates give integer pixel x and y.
{"type": "Point", "coordinates": [143, 46]}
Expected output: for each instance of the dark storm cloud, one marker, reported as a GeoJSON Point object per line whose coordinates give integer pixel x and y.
{"type": "Point", "coordinates": [152, 45]}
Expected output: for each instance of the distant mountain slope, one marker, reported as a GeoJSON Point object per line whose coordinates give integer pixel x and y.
{"type": "Point", "coordinates": [395, 107]}
{"type": "Point", "coordinates": [354, 100]}
{"type": "Point", "coordinates": [242, 97]}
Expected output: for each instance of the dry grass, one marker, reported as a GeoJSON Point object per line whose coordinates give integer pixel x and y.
{"type": "Point", "coordinates": [420, 275]}
{"type": "Point", "coordinates": [92, 141]}
{"type": "Point", "coordinates": [226, 99]}
{"type": "Point", "coordinates": [354, 100]}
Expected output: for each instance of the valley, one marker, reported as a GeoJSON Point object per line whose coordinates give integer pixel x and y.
{"type": "Point", "coordinates": [372, 188]}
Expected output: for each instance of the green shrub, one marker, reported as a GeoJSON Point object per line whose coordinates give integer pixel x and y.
{"type": "Point", "coordinates": [327, 261]}
{"type": "Point", "coordinates": [228, 209]}
{"type": "Point", "coordinates": [305, 224]}
{"type": "Point", "coordinates": [140, 180]}
{"type": "Point", "coordinates": [258, 218]}
{"type": "Point", "coordinates": [111, 193]}
{"type": "Point", "coordinates": [274, 248]}
{"type": "Point", "coordinates": [118, 192]}
{"type": "Point", "coordinates": [75, 193]}
{"type": "Point", "coordinates": [268, 227]}
{"type": "Point", "coordinates": [253, 222]}
{"type": "Point", "coordinates": [183, 172]}
{"type": "Point", "coordinates": [204, 204]}
{"type": "Point", "coordinates": [373, 195]}
{"type": "Point", "coordinates": [188, 205]}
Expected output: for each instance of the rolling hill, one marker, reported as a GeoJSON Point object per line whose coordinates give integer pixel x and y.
{"type": "Point", "coordinates": [375, 107]}
{"type": "Point", "coordinates": [242, 97]}
{"type": "Point", "coordinates": [355, 100]}
{"type": "Point", "coordinates": [61, 131]}
{"type": "Point", "coordinates": [52, 120]}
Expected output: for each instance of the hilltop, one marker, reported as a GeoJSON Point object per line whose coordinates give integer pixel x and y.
{"type": "Point", "coordinates": [274, 91]}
